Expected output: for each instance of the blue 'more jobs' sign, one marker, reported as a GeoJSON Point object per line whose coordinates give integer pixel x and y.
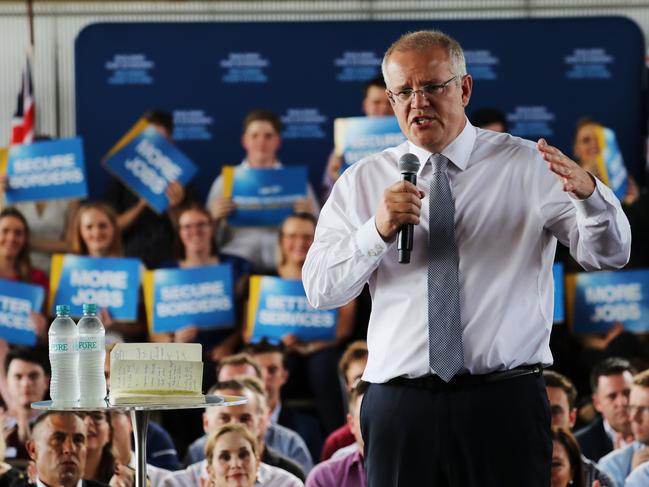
{"type": "Point", "coordinates": [46, 170]}
{"type": "Point", "coordinates": [17, 301]}
{"type": "Point", "coordinates": [109, 282]}
{"type": "Point", "coordinates": [148, 163]}
{"type": "Point", "coordinates": [359, 137]}
{"type": "Point", "coordinates": [604, 298]}
{"type": "Point", "coordinates": [263, 196]}
{"type": "Point", "coordinates": [200, 296]}
{"type": "Point", "coordinates": [278, 307]}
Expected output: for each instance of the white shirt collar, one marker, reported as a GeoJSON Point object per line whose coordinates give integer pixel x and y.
{"type": "Point", "coordinates": [458, 151]}
{"type": "Point", "coordinates": [276, 164]}
{"type": "Point", "coordinates": [274, 415]}
{"type": "Point", "coordinates": [39, 483]}
{"type": "Point", "coordinates": [612, 434]}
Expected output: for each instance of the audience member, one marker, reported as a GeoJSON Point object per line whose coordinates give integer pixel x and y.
{"type": "Point", "coordinates": [15, 262]}
{"type": "Point", "coordinates": [58, 449]}
{"type": "Point", "coordinates": [257, 244]}
{"type": "Point", "coordinates": [240, 364]}
{"type": "Point", "coordinates": [619, 463]}
{"type": "Point", "coordinates": [375, 104]}
{"type": "Point", "coordinates": [562, 396]}
{"type": "Point", "coordinates": [347, 470]}
{"type": "Point", "coordinates": [489, 119]}
{"type": "Point", "coordinates": [352, 364]}
{"type": "Point", "coordinates": [611, 382]}
{"type": "Point", "coordinates": [274, 442]}
{"type": "Point", "coordinates": [195, 247]}
{"type": "Point", "coordinates": [147, 235]}
{"type": "Point", "coordinates": [95, 233]}
{"type": "Point", "coordinates": [8, 474]}
{"type": "Point", "coordinates": [232, 457]}
{"type": "Point", "coordinates": [566, 460]}
{"type": "Point", "coordinates": [272, 360]}
{"type": "Point", "coordinates": [48, 220]}
{"type": "Point", "coordinates": [312, 364]}
{"type": "Point", "coordinates": [101, 463]}
{"type": "Point", "coordinates": [27, 381]}
{"type": "Point", "coordinates": [120, 422]}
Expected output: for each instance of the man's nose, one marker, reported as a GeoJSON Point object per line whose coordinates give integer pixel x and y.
{"type": "Point", "coordinates": [419, 99]}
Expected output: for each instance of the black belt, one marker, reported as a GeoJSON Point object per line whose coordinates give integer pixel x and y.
{"type": "Point", "coordinates": [435, 383]}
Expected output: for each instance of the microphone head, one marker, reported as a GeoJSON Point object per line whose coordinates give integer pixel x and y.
{"type": "Point", "coordinates": [408, 163]}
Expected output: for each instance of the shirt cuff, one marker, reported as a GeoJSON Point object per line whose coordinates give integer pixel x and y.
{"type": "Point", "coordinates": [369, 242]}
{"type": "Point", "coordinates": [596, 203]}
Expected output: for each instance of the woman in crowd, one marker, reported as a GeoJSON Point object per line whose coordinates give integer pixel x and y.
{"type": "Point", "coordinates": [15, 262]}
{"type": "Point", "coordinates": [566, 460]}
{"type": "Point", "coordinates": [95, 234]}
{"type": "Point", "coordinates": [101, 462]}
{"type": "Point", "coordinates": [232, 455]}
{"type": "Point", "coordinates": [318, 359]}
{"type": "Point", "coordinates": [195, 247]}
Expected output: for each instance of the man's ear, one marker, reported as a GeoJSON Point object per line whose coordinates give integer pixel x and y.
{"type": "Point", "coordinates": [31, 449]}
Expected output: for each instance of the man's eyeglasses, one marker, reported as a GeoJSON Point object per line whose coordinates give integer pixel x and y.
{"type": "Point", "coordinates": [96, 416]}
{"type": "Point", "coordinates": [427, 91]}
{"type": "Point", "coordinates": [633, 410]}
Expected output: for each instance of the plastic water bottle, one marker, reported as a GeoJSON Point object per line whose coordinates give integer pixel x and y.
{"type": "Point", "coordinates": [92, 353]}
{"type": "Point", "coordinates": [64, 358]}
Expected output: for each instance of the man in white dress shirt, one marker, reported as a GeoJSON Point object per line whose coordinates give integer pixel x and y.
{"type": "Point", "coordinates": [511, 200]}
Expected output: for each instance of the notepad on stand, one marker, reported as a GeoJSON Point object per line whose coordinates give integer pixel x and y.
{"type": "Point", "coordinates": [156, 373]}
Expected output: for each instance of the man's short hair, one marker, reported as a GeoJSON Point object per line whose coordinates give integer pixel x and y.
{"type": "Point", "coordinates": [244, 383]}
{"type": "Point", "coordinates": [28, 354]}
{"type": "Point", "coordinates": [426, 39]}
{"type": "Point", "coordinates": [609, 366]}
{"type": "Point", "coordinates": [262, 115]}
{"type": "Point", "coordinates": [355, 351]}
{"type": "Point", "coordinates": [487, 116]}
{"type": "Point", "coordinates": [377, 82]}
{"type": "Point", "coordinates": [642, 379]}
{"type": "Point", "coordinates": [240, 359]}
{"type": "Point", "coordinates": [265, 346]}
{"type": "Point", "coordinates": [560, 381]}
{"type": "Point", "coordinates": [161, 118]}
{"type": "Point", "coordinates": [42, 417]}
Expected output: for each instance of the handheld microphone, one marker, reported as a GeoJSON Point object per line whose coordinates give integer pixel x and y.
{"type": "Point", "coordinates": [408, 167]}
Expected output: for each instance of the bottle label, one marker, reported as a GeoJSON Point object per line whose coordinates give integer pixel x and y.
{"type": "Point", "coordinates": [63, 345]}
{"type": "Point", "coordinates": [91, 343]}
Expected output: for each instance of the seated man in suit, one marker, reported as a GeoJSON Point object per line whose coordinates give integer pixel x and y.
{"type": "Point", "coordinates": [58, 449]}
{"type": "Point", "coordinates": [610, 382]}
{"type": "Point", "coordinates": [562, 396]}
{"type": "Point", "coordinates": [621, 462]}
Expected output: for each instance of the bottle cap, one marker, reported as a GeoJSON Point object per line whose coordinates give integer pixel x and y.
{"type": "Point", "coordinates": [62, 309]}
{"type": "Point", "coordinates": [89, 308]}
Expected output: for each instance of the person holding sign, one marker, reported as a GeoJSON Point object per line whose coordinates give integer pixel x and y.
{"type": "Point", "coordinates": [95, 233]}
{"type": "Point", "coordinates": [461, 332]}
{"type": "Point", "coordinates": [261, 141]}
{"type": "Point", "coordinates": [195, 247]}
{"type": "Point", "coordinates": [147, 235]}
{"type": "Point", "coordinates": [318, 358]}
{"type": "Point", "coordinates": [15, 261]}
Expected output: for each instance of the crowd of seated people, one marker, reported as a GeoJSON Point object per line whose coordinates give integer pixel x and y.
{"type": "Point", "coordinates": [293, 430]}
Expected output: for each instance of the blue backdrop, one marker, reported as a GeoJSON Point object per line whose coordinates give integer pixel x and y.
{"type": "Point", "coordinates": [543, 73]}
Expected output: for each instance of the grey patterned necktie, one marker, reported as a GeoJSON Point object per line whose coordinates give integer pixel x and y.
{"type": "Point", "coordinates": [445, 351]}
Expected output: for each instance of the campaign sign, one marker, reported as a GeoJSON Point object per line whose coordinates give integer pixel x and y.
{"type": "Point", "coordinates": [46, 170]}
{"type": "Point", "coordinates": [359, 137]}
{"type": "Point", "coordinates": [604, 298]}
{"type": "Point", "coordinates": [17, 301]}
{"type": "Point", "coordinates": [109, 282]}
{"type": "Point", "coordinates": [200, 296]}
{"type": "Point", "coordinates": [279, 306]}
{"type": "Point", "coordinates": [559, 290]}
{"type": "Point", "coordinates": [610, 163]}
{"type": "Point", "coordinates": [263, 196]}
{"type": "Point", "coordinates": [146, 162]}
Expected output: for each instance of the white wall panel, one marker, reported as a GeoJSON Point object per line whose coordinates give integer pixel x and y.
{"type": "Point", "coordinates": [58, 23]}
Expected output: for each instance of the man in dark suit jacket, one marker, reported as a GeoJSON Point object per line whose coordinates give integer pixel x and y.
{"type": "Point", "coordinates": [58, 448]}
{"type": "Point", "coordinates": [610, 382]}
